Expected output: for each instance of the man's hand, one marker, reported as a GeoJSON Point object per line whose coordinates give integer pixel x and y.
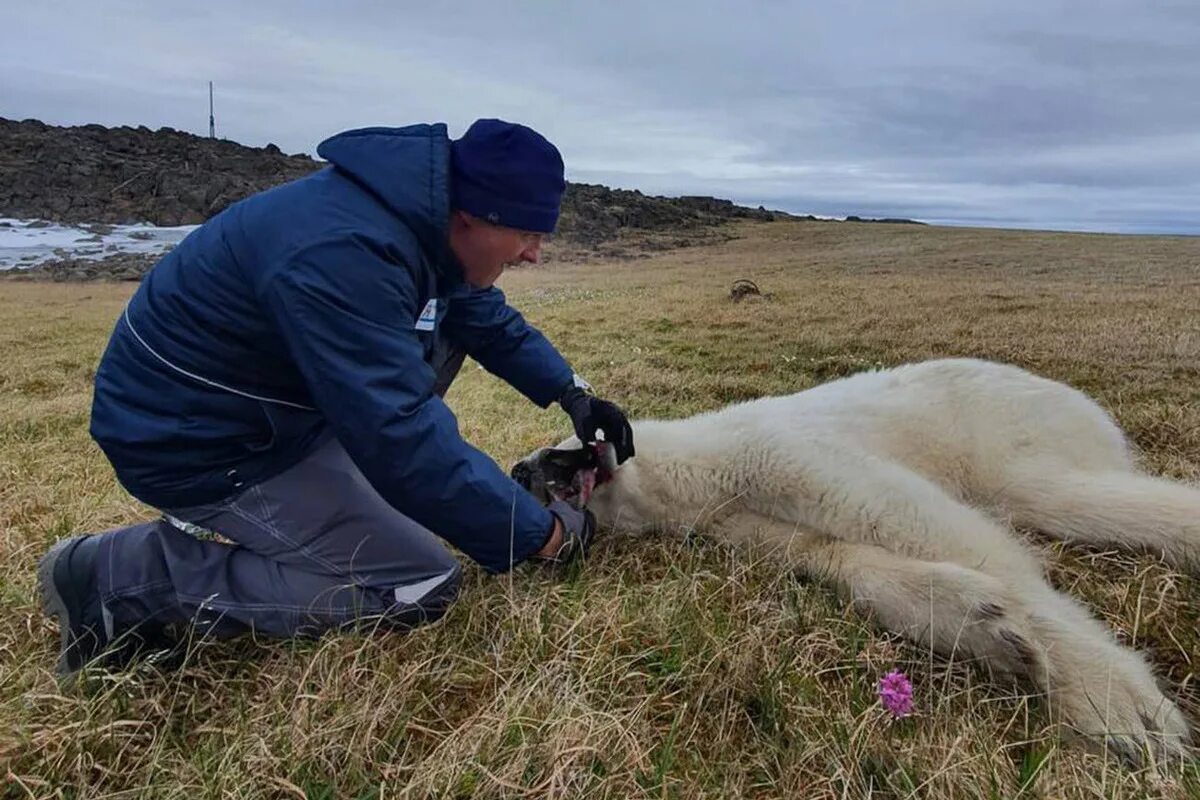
{"type": "Point", "coordinates": [590, 414]}
{"type": "Point", "coordinates": [572, 533]}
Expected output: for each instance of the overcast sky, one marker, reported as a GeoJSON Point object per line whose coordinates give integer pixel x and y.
{"type": "Point", "coordinates": [1024, 113]}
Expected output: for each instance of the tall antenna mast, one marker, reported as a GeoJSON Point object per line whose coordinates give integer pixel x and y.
{"type": "Point", "coordinates": [212, 126]}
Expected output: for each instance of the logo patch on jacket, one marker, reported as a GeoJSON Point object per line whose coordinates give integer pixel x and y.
{"type": "Point", "coordinates": [428, 318]}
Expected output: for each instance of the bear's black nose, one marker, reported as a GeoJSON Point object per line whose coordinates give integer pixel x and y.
{"type": "Point", "coordinates": [522, 474]}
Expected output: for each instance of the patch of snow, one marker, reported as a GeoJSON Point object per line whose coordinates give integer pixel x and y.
{"type": "Point", "coordinates": [27, 243]}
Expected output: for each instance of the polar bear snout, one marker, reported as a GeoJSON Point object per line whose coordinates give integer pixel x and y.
{"type": "Point", "coordinates": [558, 474]}
{"type": "Point", "coordinates": [529, 474]}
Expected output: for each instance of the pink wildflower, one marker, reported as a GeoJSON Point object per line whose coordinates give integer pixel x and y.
{"type": "Point", "coordinates": [895, 692]}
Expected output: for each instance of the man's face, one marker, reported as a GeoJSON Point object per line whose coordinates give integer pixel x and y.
{"type": "Point", "coordinates": [484, 249]}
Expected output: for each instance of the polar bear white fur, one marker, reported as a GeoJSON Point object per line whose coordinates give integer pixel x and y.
{"type": "Point", "coordinates": [899, 488]}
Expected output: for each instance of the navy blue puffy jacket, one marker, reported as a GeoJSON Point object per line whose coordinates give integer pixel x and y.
{"type": "Point", "coordinates": [304, 312]}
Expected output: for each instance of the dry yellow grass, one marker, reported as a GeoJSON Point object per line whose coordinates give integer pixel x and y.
{"type": "Point", "coordinates": [664, 668]}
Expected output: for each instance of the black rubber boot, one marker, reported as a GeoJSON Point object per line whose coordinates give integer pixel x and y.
{"type": "Point", "coordinates": [67, 582]}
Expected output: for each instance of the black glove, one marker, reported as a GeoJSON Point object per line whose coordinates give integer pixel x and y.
{"type": "Point", "coordinates": [589, 414]}
{"type": "Point", "coordinates": [578, 528]}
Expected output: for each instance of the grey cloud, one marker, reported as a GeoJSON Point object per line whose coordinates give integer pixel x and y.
{"type": "Point", "coordinates": [1031, 113]}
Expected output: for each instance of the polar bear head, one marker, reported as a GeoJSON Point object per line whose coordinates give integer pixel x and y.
{"type": "Point", "coordinates": [584, 477]}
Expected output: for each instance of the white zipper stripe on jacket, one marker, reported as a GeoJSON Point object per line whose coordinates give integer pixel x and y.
{"type": "Point", "coordinates": [203, 379]}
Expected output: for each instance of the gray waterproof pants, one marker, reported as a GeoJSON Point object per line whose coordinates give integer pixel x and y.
{"type": "Point", "coordinates": [313, 548]}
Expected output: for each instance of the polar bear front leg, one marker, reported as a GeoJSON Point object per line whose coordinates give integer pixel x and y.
{"type": "Point", "coordinates": [960, 613]}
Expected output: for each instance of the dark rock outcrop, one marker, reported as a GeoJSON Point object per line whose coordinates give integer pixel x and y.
{"type": "Point", "coordinates": [90, 173]}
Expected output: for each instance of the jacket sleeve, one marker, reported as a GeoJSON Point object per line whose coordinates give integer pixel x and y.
{"type": "Point", "coordinates": [346, 313]}
{"type": "Point", "coordinates": [499, 338]}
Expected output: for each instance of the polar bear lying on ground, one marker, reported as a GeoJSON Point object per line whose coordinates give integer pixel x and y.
{"type": "Point", "coordinates": [898, 487]}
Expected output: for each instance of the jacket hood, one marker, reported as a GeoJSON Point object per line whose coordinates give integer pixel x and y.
{"type": "Point", "coordinates": [408, 169]}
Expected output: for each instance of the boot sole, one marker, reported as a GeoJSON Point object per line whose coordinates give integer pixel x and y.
{"type": "Point", "coordinates": [53, 604]}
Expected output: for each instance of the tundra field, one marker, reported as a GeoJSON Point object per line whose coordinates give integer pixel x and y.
{"type": "Point", "coordinates": [668, 666]}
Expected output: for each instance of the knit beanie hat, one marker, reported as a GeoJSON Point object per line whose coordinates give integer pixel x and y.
{"type": "Point", "coordinates": [507, 174]}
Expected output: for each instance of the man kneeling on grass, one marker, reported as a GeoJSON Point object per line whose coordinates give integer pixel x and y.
{"type": "Point", "coordinates": [278, 379]}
